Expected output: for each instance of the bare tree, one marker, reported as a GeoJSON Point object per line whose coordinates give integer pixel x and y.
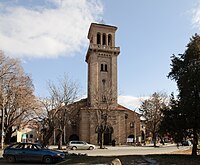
{"type": "Point", "coordinates": [104, 103]}
{"type": "Point", "coordinates": [18, 103]}
{"type": "Point", "coordinates": [151, 109]}
{"type": "Point", "coordinates": [47, 121]}
{"type": "Point", "coordinates": [62, 94]}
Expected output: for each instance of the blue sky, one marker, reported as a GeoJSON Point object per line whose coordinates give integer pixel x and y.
{"type": "Point", "coordinates": [50, 37]}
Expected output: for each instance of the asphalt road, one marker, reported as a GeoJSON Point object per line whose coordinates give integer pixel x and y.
{"type": "Point", "coordinates": [131, 150]}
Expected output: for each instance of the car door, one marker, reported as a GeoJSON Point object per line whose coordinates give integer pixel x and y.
{"type": "Point", "coordinates": [37, 152]}
{"type": "Point", "coordinates": [30, 154]}
{"type": "Point", "coordinates": [83, 145]}
{"type": "Point", "coordinates": [17, 151]}
{"type": "Point", "coordinates": [25, 154]}
{"type": "Point", "coordinates": [79, 145]}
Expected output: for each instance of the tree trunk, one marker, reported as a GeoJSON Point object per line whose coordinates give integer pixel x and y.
{"type": "Point", "coordinates": [154, 139]}
{"type": "Point", "coordinates": [46, 136]}
{"type": "Point", "coordinates": [101, 140]}
{"type": "Point", "coordinates": [60, 140]}
{"type": "Point", "coordinates": [8, 136]}
{"type": "Point", "coordinates": [195, 142]}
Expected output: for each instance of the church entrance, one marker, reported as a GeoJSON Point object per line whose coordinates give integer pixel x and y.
{"type": "Point", "coordinates": [107, 138]}
{"type": "Point", "coordinates": [73, 137]}
{"type": "Point", "coordinates": [107, 135]}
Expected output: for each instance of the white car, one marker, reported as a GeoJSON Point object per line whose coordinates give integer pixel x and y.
{"type": "Point", "coordinates": [81, 145]}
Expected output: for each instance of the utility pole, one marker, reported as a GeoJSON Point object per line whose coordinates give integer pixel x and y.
{"type": "Point", "coordinates": [2, 124]}
{"type": "Point", "coordinates": [2, 116]}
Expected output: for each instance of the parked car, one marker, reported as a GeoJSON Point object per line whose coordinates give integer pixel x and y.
{"type": "Point", "coordinates": [73, 145]}
{"type": "Point", "coordinates": [186, 143]}
{"type": "Point", "coordinates": [31, 152]}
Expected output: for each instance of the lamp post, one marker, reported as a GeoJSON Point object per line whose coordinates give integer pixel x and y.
{"type": "Point", "coordinates": [135, 138]}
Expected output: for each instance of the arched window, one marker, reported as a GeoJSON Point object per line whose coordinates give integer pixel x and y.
{"type": "Point", "coordinates": [31, 135]}
{"type": "Point", "coordinates": [106, 69]}
{"type": "Point", "coordinates": [101, 67]}
{"type": "Point", "coordinates": [109, 40]}
{"type": "Point", "coordinates": [98, 38]}
{"type": "Point", "coordinates": [104, 39]}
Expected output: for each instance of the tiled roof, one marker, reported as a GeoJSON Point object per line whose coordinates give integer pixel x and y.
{"type": "Point", "coordinates": [120, 107]}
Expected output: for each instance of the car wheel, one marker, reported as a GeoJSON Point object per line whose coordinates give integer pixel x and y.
{"type": "Point", "coordinates": [74, 148]}
{"type": "Point", "coordinates": [47, 159]}
{"type": "Point", "coordinates": [91, 148]}
{"type": "Point", "coordinates": [11, 159]}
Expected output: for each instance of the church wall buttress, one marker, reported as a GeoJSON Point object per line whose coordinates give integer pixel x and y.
{"type": "Point", "coordinates": [114, 80]}
{"type": "Point", "coordinates": [84, 126]}
{"type": "Point", "coordinates": [93, 125]}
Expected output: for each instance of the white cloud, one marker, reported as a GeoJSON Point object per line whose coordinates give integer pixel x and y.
{"type": "Point", "coordinates": [196, 15]}
{"type": "Point", "coordinates": [131, 102]}
{"type": "Point", "coordinates": [58, 27]}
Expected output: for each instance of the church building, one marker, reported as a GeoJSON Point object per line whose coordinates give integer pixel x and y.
{"type": "Point", "coordinates": [100, 109]}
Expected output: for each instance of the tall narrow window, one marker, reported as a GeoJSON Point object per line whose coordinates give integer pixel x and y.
{"type": "Point", "coordinates": [101, 67]}
{"type": "Point", "coordinates": [98, 38]}
{"type": "Point", "coordinates": [109, 40]}
{"type": "Point", "coordinates": [103, 90]}
{"type": "Point", "coordinates": [104, 39]}
{"type": "Point", "coordinates": [104, 82]}
{"type": "Point", "coordinates": [106, 69]}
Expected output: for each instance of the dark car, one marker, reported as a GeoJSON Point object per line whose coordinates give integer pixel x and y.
{"type": "Point", "coordinates": [186, 143]}
{"type": "Point", "coordinates": [31, 152]}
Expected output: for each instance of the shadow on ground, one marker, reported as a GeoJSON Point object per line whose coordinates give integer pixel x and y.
{"type": "Point", "coordinates": [168, 159]}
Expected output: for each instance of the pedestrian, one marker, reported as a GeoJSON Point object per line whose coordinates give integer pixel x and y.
{"type": "Point", "coordinates": [177, 144]}
{"type": "Point", "coordinates": [113, 142]}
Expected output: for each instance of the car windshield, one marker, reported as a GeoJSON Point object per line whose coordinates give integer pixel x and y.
{"type": "Point", "coordinates": [39, 146]}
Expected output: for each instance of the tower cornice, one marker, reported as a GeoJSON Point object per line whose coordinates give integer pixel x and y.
{"type": "Point", "coordinates": [97, 25]}
{"type": "Point", "coordinates": [102, 48]}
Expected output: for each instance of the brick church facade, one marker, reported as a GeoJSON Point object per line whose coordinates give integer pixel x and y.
{"type": "Point", "coordinates": [101, 108]}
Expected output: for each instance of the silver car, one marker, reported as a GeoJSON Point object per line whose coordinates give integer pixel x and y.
{"type": "Point", "coordinates": [81, 145]}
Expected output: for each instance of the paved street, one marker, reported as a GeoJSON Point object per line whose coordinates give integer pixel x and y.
{"type": "Point", "coordinates": [131, 150]}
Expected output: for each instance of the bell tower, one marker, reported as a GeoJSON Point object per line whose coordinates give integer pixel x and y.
{"type": "Point", "coordinates": [102, 66]}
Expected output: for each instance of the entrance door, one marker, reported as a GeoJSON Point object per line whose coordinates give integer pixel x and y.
{"type": "Point", "coordinates": [74, 137]}
{"type": "Point", "coordinates": [107, 135]}
{"type": "Point", "coordinates": [107, 138]}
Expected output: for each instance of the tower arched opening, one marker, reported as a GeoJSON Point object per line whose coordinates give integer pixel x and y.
{"type": "Point", "coordinates": [98, 38]}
